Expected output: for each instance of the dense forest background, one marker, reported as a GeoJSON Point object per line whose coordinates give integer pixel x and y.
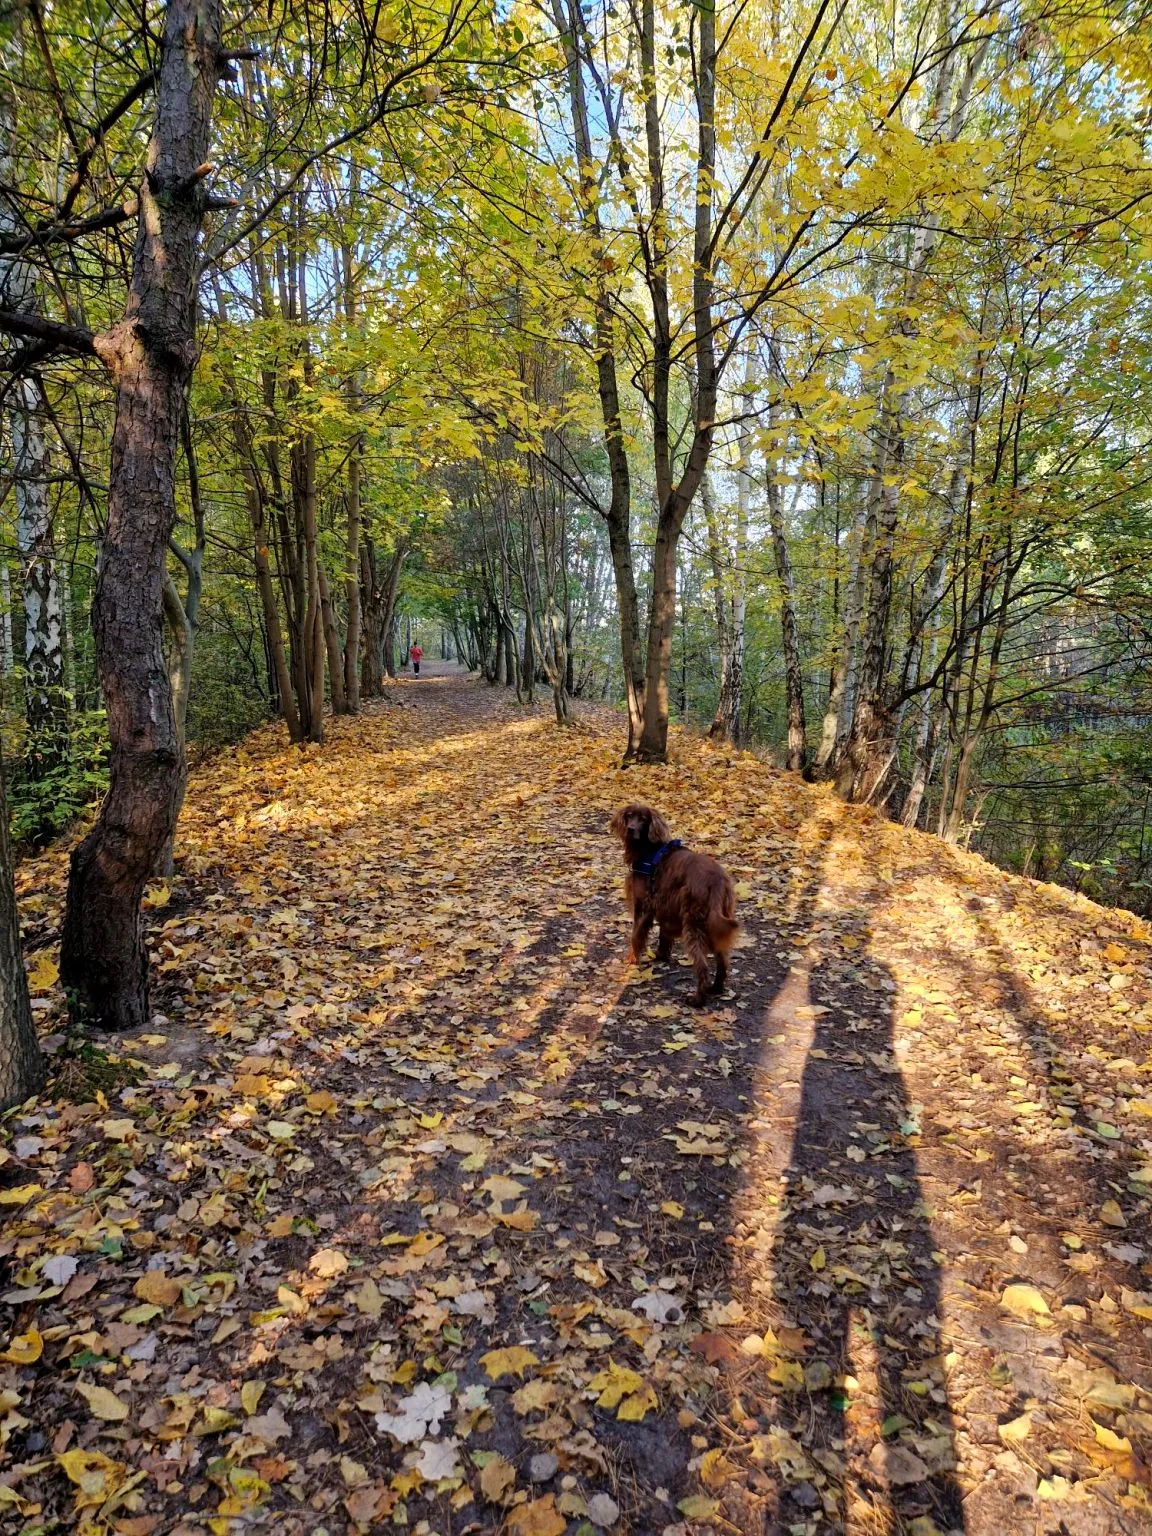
{"type": "Point", "coordinates": [785, 370]}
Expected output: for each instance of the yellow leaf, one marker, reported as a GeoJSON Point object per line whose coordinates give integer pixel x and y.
{"type": "Point", "coordinates": [43, 973]}
{"type": "Point", "coordinates": [615, 1383]}
{"type": "Point", "coordinates": [538, 1518]}
{"type": "Point", "coordinates": [215, 1422]}
{"type": "Point", "coordinates": [157, 896]}
{"type": "Point", "coordinates": [535, 1395]}
{"type": "Point", "coordinates": [697, 1507]}
{"type": "Point", "coordinates": [1111, 1441]}
{"type": "Point", "coordinates": [496, 1478]}
{"type": "Point", "coordinates": [1112, 1215]}
{"type": "Point", "coordinates": [328, 1263]}
{"type": "Point", "coordinates": [818, 1260]}
{"type": "Point", "coordinates": [1016, 1431]}
{"type": "Point", "coordinates": [368, 1299]}
{"type": "Point", "coordinates": [636, 1405]}
{"type": "Point", "coordinates": [520, 1220]}
{"type": "Point", "coordinates": [1024, 1300]}
{"type": "Point", "coordinates": [24, 1349]}
{"type": "Point", "coordinates": [20, 1194]}
{"type": "Point", "coordinates": [96, 1476]}
{"type": "Point", "coordinates": [102, 1403]}
{"type": "Point", "coordinates": [511, 1361]}
{"type": "Point", "coordinates": [788, 1375]}
{"type": "Point", "coordinates": [250, 1394]}
{"type": "Point", "coordinates": [287, 1297]}
{"type": "Point", "coordinates": [159, 1289]}
{"type": "Point", "coordinates": [500, 1187]}
{"type": "Point", "coordinates": [672, 1208]}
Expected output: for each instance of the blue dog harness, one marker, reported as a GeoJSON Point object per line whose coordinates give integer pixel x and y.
{"type": "Point", "coordinates": [650, 865]}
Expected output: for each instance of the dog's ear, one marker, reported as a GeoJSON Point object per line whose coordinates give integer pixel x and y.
{"type": "Point", "coordinates": [658, 829]}
{"type": "Point", "coordinates": [616, 823]}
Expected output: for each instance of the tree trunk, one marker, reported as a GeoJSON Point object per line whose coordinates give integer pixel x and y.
{"type": "Point", "coordinates": [618, 516]}
{"type": "Point", "coordinates": [7, 657]}
{"type": "Point", "coordinates": [331, 642]}
{"type": "Point", "coordinates": [352, 536]}
{"type": "Point", "coordinates": [923, 758]}
{"type": "Point", "coordinates": [721, 727]}
{"type": "Point", "coordinates": [352, 588]}
{"type": "Point", "coordinates": [273, 635]}
{"type": "Point", "coordinates": [104, 960]}
{"type": "Point", "coordinates": [44, 700]}
{"type": "Point", "coordinates": [21, 1065]}
{"type": "Point", "coordinates": [183, 618]}
{"type": "Point", "coordinates": [674, 508]}
{"type": "Point", "coordinates": [796, 760]}
{"type": "Point", "coordinates": [866, 750]}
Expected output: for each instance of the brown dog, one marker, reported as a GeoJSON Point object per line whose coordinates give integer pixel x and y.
{"type": "Point", "coordinates": [690, 895]}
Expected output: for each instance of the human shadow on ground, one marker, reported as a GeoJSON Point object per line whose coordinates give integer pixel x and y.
{"type": "Point", "coordinates": [853, 1268]}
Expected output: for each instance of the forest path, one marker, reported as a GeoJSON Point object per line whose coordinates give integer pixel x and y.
{"type": "Point", "coordinates": [425, 1208]}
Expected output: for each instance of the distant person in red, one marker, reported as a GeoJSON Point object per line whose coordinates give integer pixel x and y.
{"type": "Point", "coordinates": [416, 653]}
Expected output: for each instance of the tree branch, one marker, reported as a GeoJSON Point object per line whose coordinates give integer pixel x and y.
{"type": "Point", "coordinates": [61, 338]}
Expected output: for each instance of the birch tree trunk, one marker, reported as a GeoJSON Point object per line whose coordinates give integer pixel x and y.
{"type": "Point", "coordinates": [44, 702]}
{"type": "Point", "coordinates": [21, 1065]}
{"type": "Point", "coordinates": [150, 353]}
{"type": "Point", "coordinates": [797, 754]}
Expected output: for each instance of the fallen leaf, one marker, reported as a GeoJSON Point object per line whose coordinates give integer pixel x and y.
{"type": "Point", "coordinates": [160, 1289]}
{"type": "Point", "coordinates": [103, 1403]}
{"type": "Point", "coordinates": [43, 973]}
{"type": "Point", "coordinates": [1016, 1431]}
{"type": "Point", "coordinates": [1024, 1301]}
{"type": "Point", "coordinates": [25, 1348]}
{"type": "Point", "coordinates": [328, 1263]}
{"type": "Point", "coordinates": [513, 1360]}
{"type": "Point", "coordinates": [1111, 1214]}
{"type": "Point", "coordinates": [496, 1478]}
{"type": "Point", "coordinates": [697, 1507]}
{"type": "Point", "coordinates": [895, 1465]}
{"type": "Point", "coordinates": [539, 1517]}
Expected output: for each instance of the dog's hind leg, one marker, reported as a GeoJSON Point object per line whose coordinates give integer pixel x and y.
{"type": "Point", "coordinates": [698, 947]}
{"type": "Point", "coordinates": [668, 937]}
{"type": "Point", "coordinates": [721, 943]}
{"type": "Point", "coordinates": [721, 973]}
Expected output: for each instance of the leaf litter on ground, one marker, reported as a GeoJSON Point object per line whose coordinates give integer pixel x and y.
{"type": "Point", "coordinates": [418, 1207]}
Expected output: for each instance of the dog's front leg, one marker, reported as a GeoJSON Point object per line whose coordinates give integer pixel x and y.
{"type": "Point", "coordinates": [641, 928]}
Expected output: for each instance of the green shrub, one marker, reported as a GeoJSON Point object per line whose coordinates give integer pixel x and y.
{"type": "Point", "coordinates": [43, 804]}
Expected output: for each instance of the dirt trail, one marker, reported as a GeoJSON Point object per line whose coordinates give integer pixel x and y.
{"type": "Point", "coordinates": [426, 1211]}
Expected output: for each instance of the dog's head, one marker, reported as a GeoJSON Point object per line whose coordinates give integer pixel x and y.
{"type": "Point", "coordinates": [638, 825]}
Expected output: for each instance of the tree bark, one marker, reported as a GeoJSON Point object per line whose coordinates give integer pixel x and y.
{"type": "Point", "coordinates": [44, 700]}
{"type": "Point", "coordinates": [796, 759]}
{"type": "Point", "coordinates": [183, 617]}
{"type": "Point", "coordinates": [45, 706]}
{"type": "Point", "coordinates": [21, 1065]}
{"type": "Point", "coordinates": [104, 960]}
{"type": "Point", "coordinates": [653, 745]}
{"type": "Point", "coordinates": [618, 515]}
{"type": "Point", "coordinates": [352, 494]}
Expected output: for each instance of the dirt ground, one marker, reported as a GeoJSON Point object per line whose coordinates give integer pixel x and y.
{"type": "Point", "coordinates": [417, 1208]}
